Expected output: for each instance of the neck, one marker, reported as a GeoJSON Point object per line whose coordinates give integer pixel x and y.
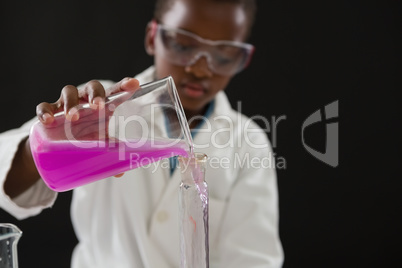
{"type": "Point", "coordinates": [194, 117]}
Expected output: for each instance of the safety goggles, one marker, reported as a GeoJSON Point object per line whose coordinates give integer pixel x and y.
{"type": "Point", "coordinates": [184, 48]}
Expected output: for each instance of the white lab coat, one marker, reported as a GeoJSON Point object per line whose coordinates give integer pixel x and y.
{"type": "Point", "coordinates": [132, 221]}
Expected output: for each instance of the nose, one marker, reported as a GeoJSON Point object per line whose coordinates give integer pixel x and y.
{"type": "Point", "coordinates": [199, 67]}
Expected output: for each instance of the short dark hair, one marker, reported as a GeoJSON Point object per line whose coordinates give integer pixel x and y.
{"type": "Point", "coordinates": [249, 6]}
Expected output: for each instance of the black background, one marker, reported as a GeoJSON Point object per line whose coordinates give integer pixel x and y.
{"type": "Point", "coordinates": [308, 55]}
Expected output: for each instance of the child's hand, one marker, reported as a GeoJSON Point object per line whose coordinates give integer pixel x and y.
{"type": "Point", "coordinates": [93, 93]}
{"type": "Point", "coordinates": [85, 123]}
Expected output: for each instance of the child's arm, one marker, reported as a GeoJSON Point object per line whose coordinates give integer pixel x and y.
{"type": "Point", "coordinates": [18, 174]}
{"type": "Point", "coordinates": [23, 173]}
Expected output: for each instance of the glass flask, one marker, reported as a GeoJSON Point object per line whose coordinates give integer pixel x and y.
{"type": "Point", "coordinates": [193, 212]}
{"type": "Point", "coordinates": [132, 130]}
{"type": "Point", "coordinates": [9, 236]}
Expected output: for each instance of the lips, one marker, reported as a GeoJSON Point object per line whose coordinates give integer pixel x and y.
{"type": "Point", "coordinates": [194, 90]}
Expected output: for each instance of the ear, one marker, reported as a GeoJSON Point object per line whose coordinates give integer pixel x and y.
{"type": "Point", "coordinates": [149, 41]}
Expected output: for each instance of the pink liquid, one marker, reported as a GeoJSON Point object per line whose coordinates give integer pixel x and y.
{"type": "Point", "coordinates": [64, 165]}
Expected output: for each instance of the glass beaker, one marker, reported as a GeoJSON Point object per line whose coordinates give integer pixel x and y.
{"type": "Point", "coordinates": [193, 212]}
{"type": "Point", "coordinates": [133, 130]}
{"type": "Point", "coordinates": [9, 236]}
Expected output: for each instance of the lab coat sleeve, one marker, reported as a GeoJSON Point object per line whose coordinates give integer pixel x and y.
{"type": "Point", "coordinates": [37, 197]}
{"type": "Point", "coordinates": [249, 235]}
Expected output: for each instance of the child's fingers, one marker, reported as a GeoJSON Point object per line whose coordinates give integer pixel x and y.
{"type": "Point", "coordinates": [126, 84]}
{"type": "Point", "coordinates": [69, 97]}
{"type": "Point", "coordinates": [45, 111]}
{"type": "Point", "coordinates": [94, 93]}
{"type": "Point", "coordinates": [119, 175]}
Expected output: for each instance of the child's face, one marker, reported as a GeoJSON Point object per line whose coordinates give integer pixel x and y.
{"type": "Point", "coordinates": [197, 84]}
